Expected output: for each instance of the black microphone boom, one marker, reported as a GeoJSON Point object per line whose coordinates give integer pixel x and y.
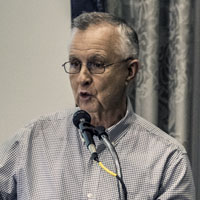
{"type": "Point", "coordinates": [80, 115]}
{"type": "Point", "coordinates": [81, 119]}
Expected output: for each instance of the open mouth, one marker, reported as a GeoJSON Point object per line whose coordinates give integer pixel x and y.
{"type": "Point", "coordinates": [85, 95]}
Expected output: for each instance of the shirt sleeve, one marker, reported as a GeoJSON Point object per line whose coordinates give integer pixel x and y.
{"type": "Point", "coordinates": [177, 181]}
{"type": "Point", "coordinates": [8, 162]}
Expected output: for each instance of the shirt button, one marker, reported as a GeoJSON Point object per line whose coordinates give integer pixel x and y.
{"type": "Point", "coordinates": [89, 195]}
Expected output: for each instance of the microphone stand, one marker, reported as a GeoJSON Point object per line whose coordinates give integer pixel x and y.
{"type": "Point", "coordinates": [103, 136]}
{"type": "Point", "coordinates": [81, 120]}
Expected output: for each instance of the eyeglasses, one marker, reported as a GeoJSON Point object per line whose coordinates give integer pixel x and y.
{"type": "Point", "coordinates": [95, 67]}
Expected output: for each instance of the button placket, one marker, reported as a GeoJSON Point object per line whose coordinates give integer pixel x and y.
{"type": "Point", "coordinates": [91, 180]}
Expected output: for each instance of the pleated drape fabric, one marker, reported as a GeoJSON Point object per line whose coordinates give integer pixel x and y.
{"type": "Point", "coordinates": [166, 90]}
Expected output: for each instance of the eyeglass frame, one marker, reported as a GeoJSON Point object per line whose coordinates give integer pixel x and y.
{"type": "Point", "coordinates": [103, 66]}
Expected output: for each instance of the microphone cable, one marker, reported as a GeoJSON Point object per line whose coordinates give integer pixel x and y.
{"type": "Point", "coordinates": [115, 175]}
{"type": "Point", "coordinates": [81, 119]}
{"type": "Point", "coordinates": [100, 132]}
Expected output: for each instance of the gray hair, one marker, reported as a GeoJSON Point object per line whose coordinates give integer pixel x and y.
{"type": "Point", "coordinates": [128, 45]}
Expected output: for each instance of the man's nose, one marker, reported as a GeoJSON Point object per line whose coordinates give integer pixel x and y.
{"type": "Point", "coordinates": [85, 77]}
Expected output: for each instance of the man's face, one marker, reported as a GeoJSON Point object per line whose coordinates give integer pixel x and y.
{"type": "Point", "coordinates": [97, 93]}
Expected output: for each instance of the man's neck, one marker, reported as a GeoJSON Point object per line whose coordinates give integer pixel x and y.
{"type": "Point", "coordinates": [109, 118]}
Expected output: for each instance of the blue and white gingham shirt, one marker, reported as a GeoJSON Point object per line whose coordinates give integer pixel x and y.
{"type": "Point", "coordinates": [47, 160]}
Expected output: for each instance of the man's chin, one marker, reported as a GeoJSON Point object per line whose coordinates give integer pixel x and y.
{"type": "Point", "coordinates": [88, 108]}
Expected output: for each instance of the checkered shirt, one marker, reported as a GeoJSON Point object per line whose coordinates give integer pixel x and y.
{"type": "Point", "coordinates": [47, 160]}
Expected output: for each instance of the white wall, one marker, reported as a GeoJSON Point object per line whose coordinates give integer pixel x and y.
{"type": "Point", "coordinates": [33, 45]}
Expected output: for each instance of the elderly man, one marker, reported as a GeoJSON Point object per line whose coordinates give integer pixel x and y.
{"type": "Point", "coordinates": [48, 159]}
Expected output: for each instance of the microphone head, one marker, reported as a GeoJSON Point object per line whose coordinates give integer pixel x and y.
{"type": "Point", "coordinates": [80, 114]}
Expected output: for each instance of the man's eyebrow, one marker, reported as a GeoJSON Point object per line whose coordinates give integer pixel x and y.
{"type": "Point", "coordinates": [91, 57]}
{"type": "Point", "coordinates": [97, 57]}
{"type": "Point", "coordinates": [73, 57]}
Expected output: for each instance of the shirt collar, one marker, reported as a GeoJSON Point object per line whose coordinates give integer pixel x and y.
{"type": "Point", "coordinates": [119, 130]}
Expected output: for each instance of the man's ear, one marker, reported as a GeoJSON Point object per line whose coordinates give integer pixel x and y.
{"type": "Point", "coordinates": [132, 69]}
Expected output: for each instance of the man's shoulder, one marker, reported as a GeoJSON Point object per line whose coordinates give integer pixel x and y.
{"type": "Point", "coordinates": [53, 117]}
{"type": "Point", "coordinates": [155, 134]}
{"type": "Point", "coordinates": [45, 124]}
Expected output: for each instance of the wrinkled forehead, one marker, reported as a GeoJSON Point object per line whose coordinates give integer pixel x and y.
{"type": "Point", "coordinates": [104, 34]}
{"type": "Point", "coordinates": [92, 27]}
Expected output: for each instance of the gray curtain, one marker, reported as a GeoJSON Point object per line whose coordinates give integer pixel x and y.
{"type": "Point", "coordinates": [167, 89]}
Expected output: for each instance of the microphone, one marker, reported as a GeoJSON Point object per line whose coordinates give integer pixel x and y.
{"type": "Point", "coordinates": [81, 119]}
